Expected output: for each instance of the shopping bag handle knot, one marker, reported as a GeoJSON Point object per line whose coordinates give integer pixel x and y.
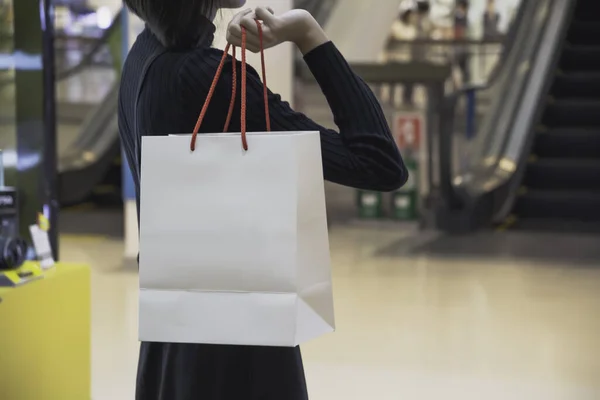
{"type": "Point", "coordinates": [213, 86]}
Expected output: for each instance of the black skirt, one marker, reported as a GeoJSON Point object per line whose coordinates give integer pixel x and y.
{"type": "Point", "coordinates": [169, 371]}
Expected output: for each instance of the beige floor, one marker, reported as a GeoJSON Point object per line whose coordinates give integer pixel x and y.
{"type": "Point", "coordinates": [410, 326]}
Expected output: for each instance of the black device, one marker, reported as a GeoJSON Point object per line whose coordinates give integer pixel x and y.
{"type": "Point", "coordinates": [9, 212]}
{"type": "Point", "coordinates": [13, 249]}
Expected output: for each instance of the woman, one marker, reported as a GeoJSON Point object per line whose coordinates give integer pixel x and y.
{"type": "Point", "coordinates": [173, 56]}
{"type": "Point", "coordinates": [491, 21]}
{"type": "Point", "coordinates": [461, 33]}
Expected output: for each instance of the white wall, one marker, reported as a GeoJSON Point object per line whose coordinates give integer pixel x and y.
{"type": "Point", "coordinates": [361, 28]}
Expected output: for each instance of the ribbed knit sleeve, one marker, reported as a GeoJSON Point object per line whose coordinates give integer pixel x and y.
{"type": "Point", "coordinates": [362, 154]}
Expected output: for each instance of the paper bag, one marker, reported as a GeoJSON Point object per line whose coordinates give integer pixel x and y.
{"type": "Point", "coordinates": [233, 239]}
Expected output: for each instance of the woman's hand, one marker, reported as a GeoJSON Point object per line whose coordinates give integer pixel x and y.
{"type": "Point", "coordinates": [296, 26]}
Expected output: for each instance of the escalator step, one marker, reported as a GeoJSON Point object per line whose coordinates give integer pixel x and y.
{"type": "Point", "coordinates": [584, 33]}
{"type": "Point", "coordinates": [106, 189]}
{"type": "Point", "coordinates": [582, 206]}
{"type": "Point", "coordinates": [568, 143]}
{"type": "Point", "coordinates": [563, 174]}
{"type": "Point", "coordinates": [580, 58]}
{"type": "Point", "coordinates": [587, 10]}
{"type": "Point", "coordinates": [577, 85]}
{"type": "Point", "coordinates": [572, 113]}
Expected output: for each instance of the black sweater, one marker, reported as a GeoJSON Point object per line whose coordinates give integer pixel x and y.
{"type": "Point", "coordinates": [363, 155]}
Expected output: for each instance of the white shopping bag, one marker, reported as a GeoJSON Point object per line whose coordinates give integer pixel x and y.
{"type": "Point", "coordinates": [233, 243]}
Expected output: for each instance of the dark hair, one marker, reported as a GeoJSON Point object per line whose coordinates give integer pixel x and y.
{"type": "Point", "coordinates": [176, 23]}
{"type": "Point", "coordinates": [463, 4]}
{"type": "Point", "coordinates": [405, 16]}
{"type": "Point", "coordinates": [423, 7]}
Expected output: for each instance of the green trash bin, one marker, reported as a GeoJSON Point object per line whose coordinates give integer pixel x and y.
{"type": "Point", "coordinates": [370, 204]}
{"type": "Point", "coordinates": [405, 201]}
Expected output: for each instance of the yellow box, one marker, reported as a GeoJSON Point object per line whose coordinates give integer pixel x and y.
{"type": "Point", "coordinates": [45, 337]}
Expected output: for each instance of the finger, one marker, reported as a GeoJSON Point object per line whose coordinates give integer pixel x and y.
{"type": "Point", "coordinates": [235, 30]}
{"type": "Point", "coordinates": [253, 48]}
{"type": "Point", "coordinates": [249, 23]}
{"type": "Point", "coordinates": [252, 41]}
{"type": "Point", "coordinates": [234, 40]}
{"type": "Point", "coordinates": [265, 15]}
{"type": "Point", "coordinates": [268, 37]}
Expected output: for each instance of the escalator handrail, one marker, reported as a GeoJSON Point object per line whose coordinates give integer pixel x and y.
{"type": "Point", "coordinates": [89, 57]}
{"type": "Point", "coordinates": [451, 197]}
{"type": "Point", "coordinates": [519, 143]}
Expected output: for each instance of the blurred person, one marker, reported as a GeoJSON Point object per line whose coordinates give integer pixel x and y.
{"type": "Point", "coordinates": [175, 57]}
{"type": "Point", "coordinates": [413, 24]}
{"type": "Point", "coordinates": [424, 29]}
{"type": "Point", "coordinates": [424, 25]}
{"type": "Point", "coordinates": [461, 29]}
{"type": "Point", "coordinates": [491, 35]}
{"type": "Point", "coordinates": [405, 29]}
{"type": "Point", "coordinates": [491, 21]}
{"type": "Point", "coordinates": [461, 19]}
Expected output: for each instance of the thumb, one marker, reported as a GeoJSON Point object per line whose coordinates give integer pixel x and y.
{"type": "Point", "coordinates": [265, 15]}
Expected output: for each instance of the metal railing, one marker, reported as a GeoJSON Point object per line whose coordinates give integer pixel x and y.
{"type": "Point", "coordinates": [472, 60]}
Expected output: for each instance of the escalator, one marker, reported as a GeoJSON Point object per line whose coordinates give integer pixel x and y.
{"type": "Point", "coordinates": [535, 161]}
{"type": "Point", "coordinates": [561, 185]}
{"type": "Point", "coordinates": [90, 163]}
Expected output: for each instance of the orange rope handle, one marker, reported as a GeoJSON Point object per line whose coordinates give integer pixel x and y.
{"type": "Point", "coordinates": [244, 99]}
{"type": "Point", "coordinates": [211, 92]}
{"type": "Point", "coordinates": [213, 86]}
{"type": "Point", "coordinates": [233, 91]}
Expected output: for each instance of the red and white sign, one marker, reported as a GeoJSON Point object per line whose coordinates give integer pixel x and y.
{"type": "Point", "coordinates": [408, 130]}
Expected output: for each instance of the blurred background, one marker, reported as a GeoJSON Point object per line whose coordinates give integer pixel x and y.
{"type": "Point", "coordinates": [478, 279]}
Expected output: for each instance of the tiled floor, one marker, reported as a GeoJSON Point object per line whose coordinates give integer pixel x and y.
{"type": "Point", "coordinates": [418, 317]}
